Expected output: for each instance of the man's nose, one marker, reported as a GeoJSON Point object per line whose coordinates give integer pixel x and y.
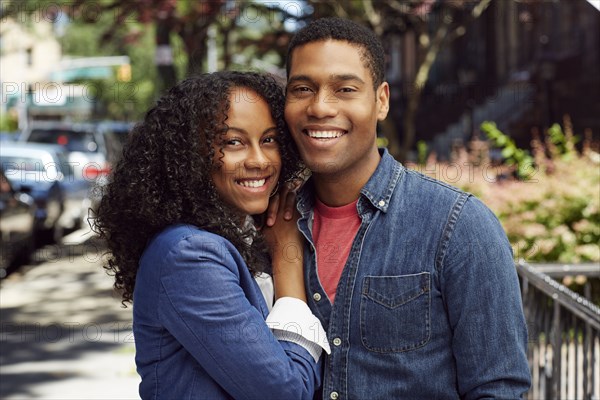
{"type": "Point", "coordinates": [323, 105]}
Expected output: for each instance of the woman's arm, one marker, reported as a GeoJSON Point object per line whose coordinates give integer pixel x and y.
{"type": "Point", "coordinates": [203, 305]}
{"type": "Point", "coordinates": [286, 244]}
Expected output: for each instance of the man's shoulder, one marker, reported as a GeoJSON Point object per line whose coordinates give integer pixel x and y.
{"type": "Point", "coordinates": [426, 182]}
{"type": "Point", "coordinates": [419, 191]}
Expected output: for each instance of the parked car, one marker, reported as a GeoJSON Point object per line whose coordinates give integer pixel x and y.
{"type": "Point", "coordinates": [86, 146]}
{"type": "Point", "coordinates": [115, 135]}
{"type": "Point", "coordinates": [93, 147]}
{"type": "Point", "coordinates": [8, 136]}
{"type": "Point", "coordinates": [45, 172]}
{"type": "Point", "coordinates": [17, 224]}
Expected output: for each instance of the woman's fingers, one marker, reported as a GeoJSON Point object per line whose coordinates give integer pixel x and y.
{"type": "Point", "coordinates": [284, 201]}
{"type": "Point", "coordinates": [289, 203]}
{"type": "Point", "coordinates": [272, 210]}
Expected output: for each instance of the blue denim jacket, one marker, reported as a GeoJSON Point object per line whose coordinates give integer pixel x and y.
{"type": "Point", "coordinates": [199, 326]}
{"type": "Point", "coordinates": [428, 305]}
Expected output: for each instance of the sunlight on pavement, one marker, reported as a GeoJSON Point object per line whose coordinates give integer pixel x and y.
{"type": "Point", "coordinates": [64, 334]}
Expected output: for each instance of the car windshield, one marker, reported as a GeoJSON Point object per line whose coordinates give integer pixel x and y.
{"type": "Point", "coordinates": [71, 139]}
{"type": "Point", "coordinates": [114, 141]}
{"type": "Point", "coordinates": [22, 164]}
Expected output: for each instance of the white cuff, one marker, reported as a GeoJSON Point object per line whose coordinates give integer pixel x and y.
{"type": "Point", "coordinates": [291, 320]}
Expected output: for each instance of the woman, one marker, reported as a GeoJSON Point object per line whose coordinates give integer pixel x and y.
{"type": "Point", "coordinates": [176, 217]}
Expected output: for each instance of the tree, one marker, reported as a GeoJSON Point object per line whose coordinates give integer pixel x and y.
{"type": "Point", "coordinates": [121, 97]}
{"type": "Point", "coordinates": [189, 20]}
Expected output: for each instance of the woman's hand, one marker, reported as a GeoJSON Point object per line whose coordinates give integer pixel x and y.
{"type": "Point", "coordinates": [286, 246]}
{"type": "Point", "coordinates": [286, 198]}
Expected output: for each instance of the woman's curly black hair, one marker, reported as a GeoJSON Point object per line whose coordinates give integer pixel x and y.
{"type": "Point", "coordinates": [164, 175]}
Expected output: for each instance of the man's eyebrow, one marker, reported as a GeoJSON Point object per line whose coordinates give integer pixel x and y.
{"type": "Point", "coordinates": [298, 78]}
{"type": "Point", "coordinates": [347, 77]}
{"type": "Point", "coordinates": [333, 77]}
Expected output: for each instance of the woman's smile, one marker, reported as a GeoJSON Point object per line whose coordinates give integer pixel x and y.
{"type": "Point", "coordinates": [247, 154]}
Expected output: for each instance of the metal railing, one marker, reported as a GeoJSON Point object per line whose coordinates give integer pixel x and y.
{"type": "Point", "coordinates": [564, 338]}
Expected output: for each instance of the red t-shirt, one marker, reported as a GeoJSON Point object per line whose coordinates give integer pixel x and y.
{"type": "Point", "coordinates": [334, 229]}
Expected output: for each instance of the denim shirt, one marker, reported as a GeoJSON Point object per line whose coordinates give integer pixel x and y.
{"type": "Point", "coordinates": [428, 304]}
{"type": "Point", "coordinates": [199, 326]}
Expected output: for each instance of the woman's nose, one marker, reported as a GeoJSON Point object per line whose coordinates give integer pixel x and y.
{"type": "Point", "coordinates": [256, 158]}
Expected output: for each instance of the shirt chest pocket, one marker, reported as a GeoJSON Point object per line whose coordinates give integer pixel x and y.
{"type": "Point", "coordinates": [395, 312]}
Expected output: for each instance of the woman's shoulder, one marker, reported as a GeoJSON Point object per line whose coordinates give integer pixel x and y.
{"type": "Point", "coordinates": [180, 244]}
{"type": "Point", "coordinates": [182, 237]}
{"type": "Point", "coordinates": [174, 234]}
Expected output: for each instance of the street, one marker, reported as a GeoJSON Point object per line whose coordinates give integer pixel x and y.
{"type": "Point", "coordinates": [64, 333]}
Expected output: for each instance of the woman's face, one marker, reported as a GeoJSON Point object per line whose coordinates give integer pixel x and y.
{"type": "Point", "coordinates": [250, 160]}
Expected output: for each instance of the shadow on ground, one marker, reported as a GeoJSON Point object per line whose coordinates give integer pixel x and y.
{"type": "Point", "coordinates": [60, 320]}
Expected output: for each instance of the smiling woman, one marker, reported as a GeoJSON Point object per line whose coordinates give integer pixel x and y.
{"type": "Point", "coordinates": [176, 216]}
{"type": "Point", "coordinates": [248, 153]}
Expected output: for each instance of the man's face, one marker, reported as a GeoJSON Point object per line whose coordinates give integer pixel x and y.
{"type": "Point", "coordinates": [332, 109]}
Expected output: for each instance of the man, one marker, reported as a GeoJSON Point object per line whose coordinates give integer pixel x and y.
{"type": "Point", "coordinates": [413, 279]}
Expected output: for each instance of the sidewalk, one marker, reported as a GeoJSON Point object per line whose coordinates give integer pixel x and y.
{"type": "Point", "coordinates": [63, 334]}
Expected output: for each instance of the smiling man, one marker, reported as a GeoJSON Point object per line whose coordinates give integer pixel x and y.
{"type": "Point", "coordinates": [413, 280]}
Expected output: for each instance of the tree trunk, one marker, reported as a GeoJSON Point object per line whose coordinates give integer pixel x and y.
{"type": "Point", "coordinates": [414, 94]}
{"type": "Point", "coordinates": [196, 47]}
{"type": "Point", "coordinates": [164, 55]}
{"type": "Point", "coordinates": [409, 123]}
{"type": "Point", "coordinates": [388, 127]}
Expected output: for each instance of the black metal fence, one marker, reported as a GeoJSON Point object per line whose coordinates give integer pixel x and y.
{"type": "Point", "coordinates": [564, 338]}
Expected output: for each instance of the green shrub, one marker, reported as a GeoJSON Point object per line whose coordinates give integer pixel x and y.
{"type": "Point", "coordinates": [551, 212]}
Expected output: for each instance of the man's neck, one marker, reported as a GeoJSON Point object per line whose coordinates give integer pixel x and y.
{"type": "Point", "coordinates": [336, 193]}
{"type": "Point", "coordinates": [336, 190]}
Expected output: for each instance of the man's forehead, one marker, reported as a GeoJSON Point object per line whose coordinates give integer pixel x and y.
{"type": "Point", "coordinates": [299, 65]}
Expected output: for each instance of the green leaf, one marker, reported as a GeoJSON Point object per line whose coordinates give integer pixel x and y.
{"type": "Point", "coordinates": [507, 152]}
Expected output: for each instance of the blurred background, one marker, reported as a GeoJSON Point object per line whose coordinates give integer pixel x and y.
{"type": "Point", "coordinates": [498, 97]}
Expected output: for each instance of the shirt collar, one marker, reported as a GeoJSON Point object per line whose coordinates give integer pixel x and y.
{"type": "Point", "coordinates": [378, 190]}
{"type": "Point", "coordinates": [380, 186]}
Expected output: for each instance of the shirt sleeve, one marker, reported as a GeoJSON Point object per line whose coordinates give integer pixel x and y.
{"type": "Point", "coordinates": [203, 305]}
{"type": "Point", "coordinates": [482, 296]}
{"type": "Point", "coordinates": [291, 320]}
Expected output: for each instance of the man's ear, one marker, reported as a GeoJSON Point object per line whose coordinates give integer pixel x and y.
{"type": "Point", "coordinates": [383, 101]}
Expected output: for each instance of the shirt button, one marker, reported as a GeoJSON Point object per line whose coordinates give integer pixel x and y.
{"type": "Point", "coordinates": [317, 296]}
{"type": "Point", "coordinates": [334, 395]}
{"type": "Point", "coordinates": [337, 341]}
{"type": "Point", "coordinates": [381, 203]}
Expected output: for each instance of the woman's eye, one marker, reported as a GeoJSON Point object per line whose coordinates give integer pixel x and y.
{"type": "Point", "coordinates": [233, 142]}
{"type": "Point", "coordinates": [270, 139]}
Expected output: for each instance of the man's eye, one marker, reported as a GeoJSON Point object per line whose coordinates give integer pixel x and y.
{"type": "Point", "coordinates": [301, 89]}
{"type": "Point", "coordinates": [347, 90]}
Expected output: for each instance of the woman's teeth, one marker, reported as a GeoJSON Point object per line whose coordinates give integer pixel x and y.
{"type": "Point", "coordinates": [252, 183]}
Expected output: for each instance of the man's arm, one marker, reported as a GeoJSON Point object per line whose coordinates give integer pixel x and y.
{"type": "Point", "coordinates": [482, 296]}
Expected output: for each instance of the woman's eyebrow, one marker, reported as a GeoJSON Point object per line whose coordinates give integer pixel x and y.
{"type": "Point", "coordinates": [245, 132]}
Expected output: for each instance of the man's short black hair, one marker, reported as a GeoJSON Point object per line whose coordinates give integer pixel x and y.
{"type": "Point", "coordinates": [370, 47]}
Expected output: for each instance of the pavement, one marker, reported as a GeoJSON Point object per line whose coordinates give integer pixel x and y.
{"type": "Point", "coordinates": [63, 331]}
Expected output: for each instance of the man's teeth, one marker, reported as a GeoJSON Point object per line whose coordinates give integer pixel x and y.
{"type": "Point", "coordinates": [324, 134]}
{"type": "Point", "coordinates": [253, 183]}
